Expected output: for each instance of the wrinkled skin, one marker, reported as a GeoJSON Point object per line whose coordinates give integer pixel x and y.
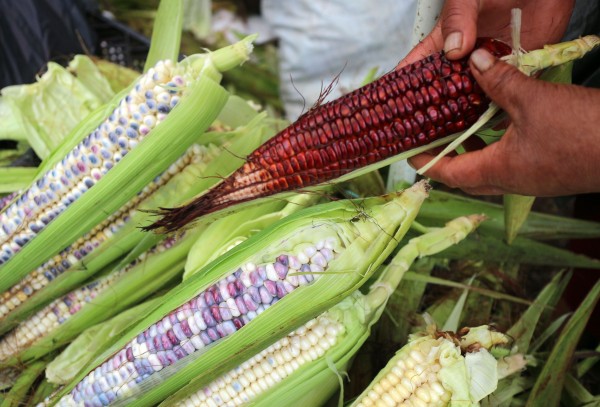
{"type": "Point", "coordinates": [552, 144]}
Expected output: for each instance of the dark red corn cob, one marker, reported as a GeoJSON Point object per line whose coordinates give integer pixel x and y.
{"type": "Point", "coordinates": [404, 109]}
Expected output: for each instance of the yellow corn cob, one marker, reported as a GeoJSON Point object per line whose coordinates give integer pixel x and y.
{"type": "Point", "coordinates": [438, 369]}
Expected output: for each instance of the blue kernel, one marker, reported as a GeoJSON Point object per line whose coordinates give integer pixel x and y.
{"type": "Point", "coordinates": [67, 302]}
{"type": "Point", "coordinates": [143, 108]}
{"type": "Point", "coordinates": [103, 399]}
{"type": "Point", "coordinates": [37, 200]}
{"type": "Point", "coordinates": [88, 182]}
{"type": "Point", "coordinates": [35, 228]}
{"type": "Point", "coordinates": [162, 108]}
{"type": "Point", "coordinates": [54, 271]}
{"type": "Point", "coordinates": [149, 94]}
{"type": "Point", "coordinates": [75, 170]}
{"type": "Point", "coordinates": [108, 165]}
{"type": "Point", "coordinates": [131, 133]}
{"type": "Point", "coordinates": [151, 104]}
{"type": "Point", "coordinates": [112, 137]}
{"type": "Point", "coordinates": [93, 159]}
{"type": "Point", "coordinates": [68, 174]}
{"type": "Point", "coordinates": [123, 121]}
{"type": "Point", "coordinates": [123, 142]}
{"type": "Point", "coordinates": [48, 275]}
{"type": "Point", "coordinates": [139, 379]}
{"type": "Point", "coordinates": [137, 87]}
{"type": "Point", "coordinates": [27, 290]}
{"type": "Point", "coordinates": [119, 131]}
{"type": "Point", "coordinates": [111, 118]}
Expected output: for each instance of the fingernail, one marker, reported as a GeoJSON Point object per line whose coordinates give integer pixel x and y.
{"type": "Point", "coordinates": [482, 60]}
{"type": "Point", "coordinates": [453, 42]}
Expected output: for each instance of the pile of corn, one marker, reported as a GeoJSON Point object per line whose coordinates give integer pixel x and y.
{"type": "Point", "coordinates": [265, 303]}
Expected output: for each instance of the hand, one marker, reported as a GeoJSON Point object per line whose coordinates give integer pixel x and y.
{"type": "Point", "coordinates": [551, 147]}
{"type": "Point", "coordinates": [462, 21]}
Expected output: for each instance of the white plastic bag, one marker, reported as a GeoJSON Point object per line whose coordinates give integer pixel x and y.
{"type": "Point", "coordinates": [320, 39]}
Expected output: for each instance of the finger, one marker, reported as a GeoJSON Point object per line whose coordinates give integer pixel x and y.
{"type": "Point", "coordinates": [503, 83]}
{"type": "Point", "coordinates": [459, 27]}
{"type": "Point", "coordinates": [430, 44]}
{"type": "Point", "coordinates": [466, 171]}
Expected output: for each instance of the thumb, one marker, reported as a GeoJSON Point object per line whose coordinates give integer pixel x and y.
{"type": "Point", "coordinates": [503, 83]}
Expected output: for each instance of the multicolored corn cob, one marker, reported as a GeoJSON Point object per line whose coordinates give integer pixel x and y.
{"type": "Point", "coordinates": [51, 317]}
{"type": "Point", "coordinates": [145, 106]}
{"type": "Point", "coordinates": [402, 110]}
{"type": "Point", "coordinates": [217, 312]}
{"type": "Point", "coordinates": [438, 369]}
{"type": "Point", "coordinates": [323, 253]}
{"type": "Point", "coordinates": [285, 371]}
{"type": "Point", "coordinates": [77, 252]}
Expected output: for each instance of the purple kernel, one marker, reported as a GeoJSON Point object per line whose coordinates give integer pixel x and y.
{"type": "Point", "coordinates": [166, 343]}
{"type": "Point", "coordinates": [255, 279]}
{"type": "Point", "coordinates": [251, 305]}
{"type": "Point", "coordinates": [216, 313]}
{"type": "Point", "coordinates": [208, 319]}
{"type": "Point", "coordinates": [205, 338]}
{"type": "Point", "coordinates": [162, 358]}
{"type": "Point", "coordinates": [171, 357]}
{"type": "Point", "coordinates": [180, 353]}
{"type": "Point", "coordinates": [232, 290]}
{"type": "Point", "coordinates": [271, 288]}
{"type": "Point", "coordinates": [172, 337]}
{"type": "Point", "coordinates": [129, 354]}
{"type": "Point", "coordinates": [265, 295]}
{"type": "Point", "coordinates": [225, 312]}
{"type": "Point", "coordinates": [213, 334]}
{"type": "Point", "coordinates": [254, 294]}
{"type": "Point", "coordinates": [185, 328]}
{"type": "Point", "coordinates": [281, 270]}
{"type": "Point", "coordinates": [238, 322]}
{"type": "Point", "coordinates": [281, 291]}
{"type": "Point", "coordinates": [173, 318]}
{"type": "Point", "coordinates": [179, 332]}
{"type": "Point", "coordinates": [158, 343]}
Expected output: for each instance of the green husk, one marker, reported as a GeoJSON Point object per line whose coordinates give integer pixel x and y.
{"type": "Point", "coordinates": [233, 229]}
{"type": "Point", "coordinates": [166, 33]}
{"type": "Point", "coordinates": [44, 112]}
{"type": "Point", "coordinates": [443, 206]}
{"type": "Point", "coordinates": [549, 384]}
{"type": "Point", "coordinates": [196, 111]}
{"type": "Point", "coordinates": [369, 241]}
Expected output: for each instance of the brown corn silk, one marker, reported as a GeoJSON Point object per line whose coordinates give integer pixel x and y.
{"type": "Point", "coordinates": [404, 109]}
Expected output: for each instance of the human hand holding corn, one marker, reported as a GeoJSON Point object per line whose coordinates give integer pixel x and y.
{"type": "Point", "coordinates": [542, 114]}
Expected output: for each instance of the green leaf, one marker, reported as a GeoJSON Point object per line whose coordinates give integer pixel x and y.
{"type": "Point", "coordinates": [516, 210]}
{"type": "Point", "coordinates": [166, 33]}
{"type": "Point", "coordinates": [549, 385]}
{"type": "Point", "coordinates": [522, 331]}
